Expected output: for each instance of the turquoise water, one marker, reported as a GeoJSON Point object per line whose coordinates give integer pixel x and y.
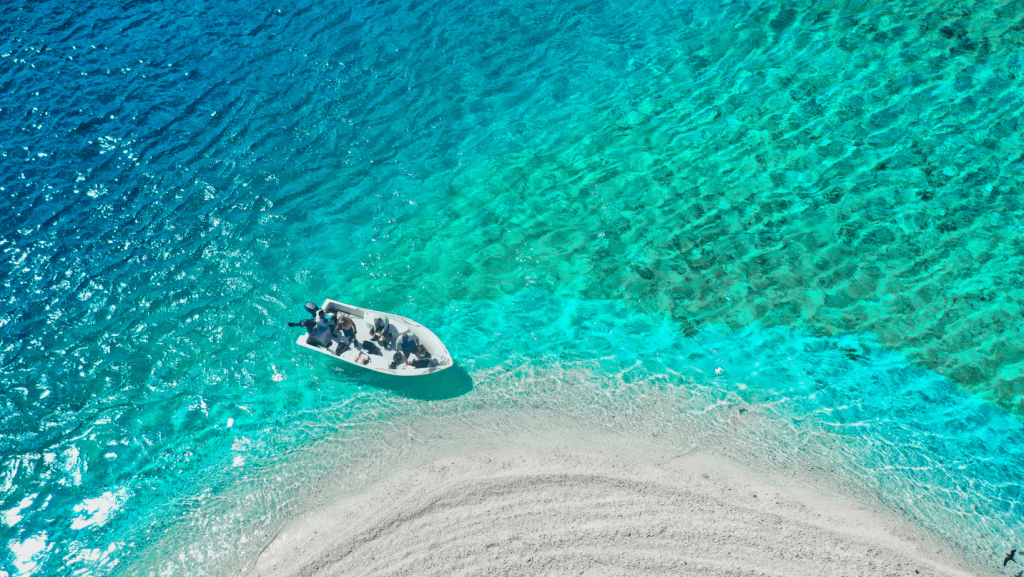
{"type": "Point", "coordinates": [806, 214]}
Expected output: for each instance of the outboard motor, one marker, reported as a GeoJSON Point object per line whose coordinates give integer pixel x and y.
{"type": "Point", "coordinates": [311, 308]}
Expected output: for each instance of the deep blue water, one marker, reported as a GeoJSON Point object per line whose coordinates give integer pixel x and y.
{"type": "Point", "coordinates": [789, 234]}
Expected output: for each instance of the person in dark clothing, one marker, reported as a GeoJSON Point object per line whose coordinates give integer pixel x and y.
{"type": "Point", "coordinates": [318, 328]}
{"type": "Point", "coordinates": [308, 324]}
{"type": "Point", "coordinates": [322, 332]}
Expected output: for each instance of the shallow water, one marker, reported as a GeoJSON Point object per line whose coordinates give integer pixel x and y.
{"type": "Point", "coordinates": [808, 212]}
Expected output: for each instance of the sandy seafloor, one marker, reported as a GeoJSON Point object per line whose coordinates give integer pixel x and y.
{"type": "Point", "coordinates": [787, 235]}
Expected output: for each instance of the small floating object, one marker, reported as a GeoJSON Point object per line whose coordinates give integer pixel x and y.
{"type": "Point", "coordinates": [378, 358]}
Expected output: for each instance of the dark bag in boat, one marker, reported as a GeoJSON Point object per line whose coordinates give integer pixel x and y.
{"type": "Point", "coordinates": [420, 363]}
{"type": "Point", "coordinates": [372, 349]}
{"type": "Point", "coordinates": [396, 360]}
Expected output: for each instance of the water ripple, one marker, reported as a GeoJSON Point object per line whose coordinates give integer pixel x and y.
{"type": "Point", "coordinates": [175, 177]}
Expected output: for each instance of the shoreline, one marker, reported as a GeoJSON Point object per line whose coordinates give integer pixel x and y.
{"type": "Point", "coordinates": [553, 510]}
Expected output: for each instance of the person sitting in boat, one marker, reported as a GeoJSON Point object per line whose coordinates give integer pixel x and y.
{"type": "Point", "coordinates": [322, 332]}
{"type": "Point", "coordinates": [384, 333]}
{"type": "Point", "coordinates": [407, 345]}
{"type": "Point", "coordinates": [344, 332]}
{"type": "Point", "coordinates": [344, 325]}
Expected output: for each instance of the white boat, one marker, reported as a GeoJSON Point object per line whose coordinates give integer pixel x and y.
{"type": "Point", "coordinates": [356, 355]}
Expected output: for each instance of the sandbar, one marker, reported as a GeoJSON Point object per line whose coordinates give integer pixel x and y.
{"type": "Point", "coordinates": [519, 511]}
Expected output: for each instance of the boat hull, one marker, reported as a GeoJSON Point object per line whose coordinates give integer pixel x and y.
{"type": "Point", "coordinates": [363, 320]}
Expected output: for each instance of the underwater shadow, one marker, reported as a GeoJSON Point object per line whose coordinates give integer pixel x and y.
{"type": "Point", "coordinates": [446, 384]}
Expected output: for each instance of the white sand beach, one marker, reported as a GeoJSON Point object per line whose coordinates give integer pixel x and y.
{"type": "Point", "coordinates": [578, 512]}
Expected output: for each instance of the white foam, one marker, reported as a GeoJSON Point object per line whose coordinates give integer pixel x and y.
{"type": "Point", "coordinates": [95, 512]}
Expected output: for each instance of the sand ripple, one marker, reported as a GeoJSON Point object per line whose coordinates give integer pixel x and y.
{"type": "Point", "coordinates": [584, 514]}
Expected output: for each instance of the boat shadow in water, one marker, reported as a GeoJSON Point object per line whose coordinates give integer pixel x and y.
{"type": "Point", "coordinates": [447, 384]}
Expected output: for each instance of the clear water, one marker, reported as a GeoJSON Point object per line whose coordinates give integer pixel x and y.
{"type": "Point", "coordinates": [808, 211]}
